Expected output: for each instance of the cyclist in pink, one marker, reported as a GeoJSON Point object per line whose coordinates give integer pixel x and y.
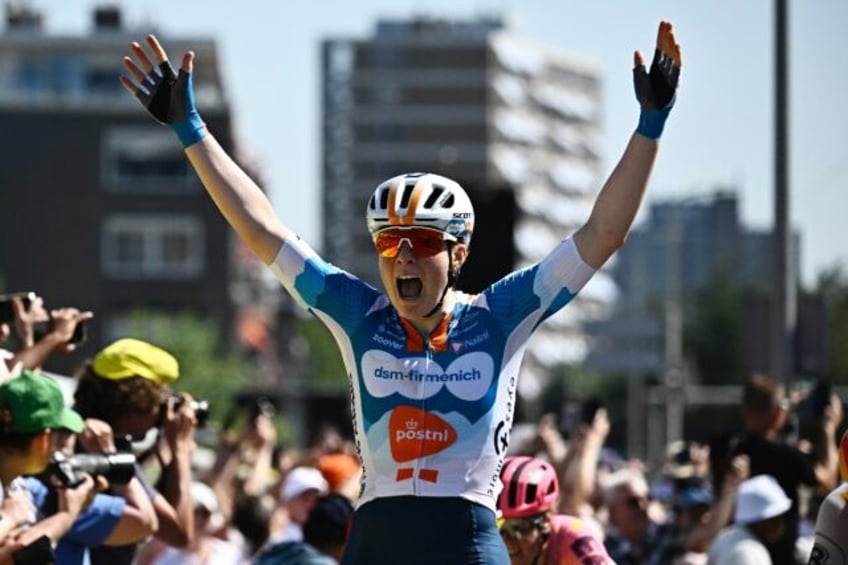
{"type": "Point", "coordinates": [533, 534]}
{"type": "Point", "coordinates": [433, 371]}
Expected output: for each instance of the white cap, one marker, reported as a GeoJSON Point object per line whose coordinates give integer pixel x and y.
{"type": "Point", "coordinates": [204, 497]}
{"type": "Point", "coordinates": [760, 498]}
{"type": "Point", "coordinates": [302, 479]}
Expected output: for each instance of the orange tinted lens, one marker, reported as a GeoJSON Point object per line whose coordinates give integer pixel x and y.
{"type": "Point", "coordinates": [424, 243]}
{"type": "Point", "coordinates": [387, 244]}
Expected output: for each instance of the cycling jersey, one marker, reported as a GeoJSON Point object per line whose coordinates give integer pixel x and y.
{"type": "Point", "coordinates": [831, 545]}
{"type": "Point", "coordinates": [573, 542]}
{"type": "Point", "coordinates": [432, 413]}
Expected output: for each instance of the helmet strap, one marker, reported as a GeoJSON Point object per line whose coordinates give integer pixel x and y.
{"type": "Point", "coordinates": [452, 276]}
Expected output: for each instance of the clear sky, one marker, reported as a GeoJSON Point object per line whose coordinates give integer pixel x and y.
{"type": "Point", "coordinates": [720, 132]}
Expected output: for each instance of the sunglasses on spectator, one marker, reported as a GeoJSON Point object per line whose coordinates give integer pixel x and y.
{"type": "Point", "coordinates": [424, 242]}
{"type": "Point", "coordinates": [516, 528]}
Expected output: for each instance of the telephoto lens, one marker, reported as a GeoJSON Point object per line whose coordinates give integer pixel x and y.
{"type": "Point", "coordinates": [118, 468]}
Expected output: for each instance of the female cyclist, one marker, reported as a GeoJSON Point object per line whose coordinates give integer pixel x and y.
{"type": "Point", "coordinates": [432, 370]}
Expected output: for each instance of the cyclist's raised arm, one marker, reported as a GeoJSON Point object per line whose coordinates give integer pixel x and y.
{"type": "Point", "coordinates": [169, 97]}
{"type": "Point", "coordinates": [621, 195]}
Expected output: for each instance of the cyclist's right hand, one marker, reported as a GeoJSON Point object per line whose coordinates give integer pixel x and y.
{"type": "Point", "coordinates": [167, 95]}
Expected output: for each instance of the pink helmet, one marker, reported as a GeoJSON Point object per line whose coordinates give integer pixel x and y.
{"type": "Point", "coordinates": [530, 487]}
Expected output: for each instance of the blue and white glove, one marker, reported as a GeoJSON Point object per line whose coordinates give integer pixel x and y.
{"type": "Point", "coordinates": [656, 90]}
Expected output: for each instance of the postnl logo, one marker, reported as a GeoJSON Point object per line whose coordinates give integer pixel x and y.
{"type": "Point", "coordinates": [416, 433]}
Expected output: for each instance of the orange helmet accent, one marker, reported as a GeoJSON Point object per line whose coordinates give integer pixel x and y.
{"type": "Point", "coordinates": [421, 200]}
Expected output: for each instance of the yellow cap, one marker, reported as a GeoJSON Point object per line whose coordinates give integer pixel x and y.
{"type": "Point", "coordinates": [135, 358]}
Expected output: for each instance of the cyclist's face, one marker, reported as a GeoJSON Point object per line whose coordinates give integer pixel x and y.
{"type": "Point", "coordinates": [414, 284]}
{"type": "Point", "coordinates": [523, 543]}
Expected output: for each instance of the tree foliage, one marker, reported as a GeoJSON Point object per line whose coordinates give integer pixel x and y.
{"type": "Point", "coordinates": [208, 370]}
{"type": "Point", "coordinates": [325, 367]}
{"type": "Point", "coordinates": [833, 286]}
{"type": "Point", "coordinates": [714, 338]}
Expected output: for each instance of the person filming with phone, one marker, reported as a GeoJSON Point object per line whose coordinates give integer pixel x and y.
{"type": "Point", "coordinates": [39, 332]}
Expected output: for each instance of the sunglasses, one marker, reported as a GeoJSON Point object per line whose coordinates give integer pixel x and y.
{"type": "Point", "coordinates": [519, 527]}
{"type": "Point", "coordinates": [424, 242]}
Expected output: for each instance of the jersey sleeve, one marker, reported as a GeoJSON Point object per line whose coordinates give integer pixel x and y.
{"type": "Point", "coordinates": [318, 285]}
{"type": "Point", "coordinates": [543, 288]}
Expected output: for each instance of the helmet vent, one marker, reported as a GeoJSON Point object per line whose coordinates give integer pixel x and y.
{"type": "Point", "coordinates": [448, 202]}
{"type": "Point", "coordinates": [431, 200]}
{"type": "Point", "coordinates": [371, 203]}
{"type": "Point", "coordinates": [407, 193]}
{"type": "Point", "coordinates": [384, 199]}
{"type": "Point", "coordinates": [530, 496]}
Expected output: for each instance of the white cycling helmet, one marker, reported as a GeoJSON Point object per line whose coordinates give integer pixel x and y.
{"type": "Point", "coordinates": [422, 200]}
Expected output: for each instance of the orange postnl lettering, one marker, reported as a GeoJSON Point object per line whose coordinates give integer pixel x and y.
{"type": "Point", "coordinates": [415, 433]}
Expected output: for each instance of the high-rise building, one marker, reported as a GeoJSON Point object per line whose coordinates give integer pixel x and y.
{"type": "Point", "coordinates": [515, 122]}
{"type": "Point", "coordinates": [99, 207]}
{"type": "Point", "coordinates": [684, 246]}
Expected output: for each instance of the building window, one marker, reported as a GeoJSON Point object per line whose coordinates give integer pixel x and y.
{"type": "Point", "coordinates": [147, 160]}
{"type": "Point", "coordinates": [138, 246]}
{"type": "Point", "coordinates": [101, 82]}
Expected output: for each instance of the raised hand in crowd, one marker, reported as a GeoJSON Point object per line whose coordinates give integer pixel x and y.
{"type": "Point", "coordinates": [580, 468]}
{"type": "Point", "coordinates": [175, 450]}
{"type": "Point", "coordinates": [702, 535]}
{"type": "Point", "coordinates": [62, 325]}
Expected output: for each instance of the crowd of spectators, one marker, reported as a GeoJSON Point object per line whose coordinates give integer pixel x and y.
{"type": "Point", "coordinates": [750, 495]}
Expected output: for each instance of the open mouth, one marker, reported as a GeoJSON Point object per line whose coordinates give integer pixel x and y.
{"type": "Point", "coordinates": [409, 288]}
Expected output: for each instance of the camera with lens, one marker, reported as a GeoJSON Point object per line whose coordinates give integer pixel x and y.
{"type": "Point", "coordinates": [200, 407]}
{"type": "Point", "coordinates": [118, 468]}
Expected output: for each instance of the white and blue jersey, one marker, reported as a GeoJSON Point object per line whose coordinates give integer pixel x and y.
{"type": "Point", "coordinates": [432, 414]}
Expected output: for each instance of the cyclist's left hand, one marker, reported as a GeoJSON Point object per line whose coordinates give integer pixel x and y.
{"type": "Point", "coordinates": [656, 89]}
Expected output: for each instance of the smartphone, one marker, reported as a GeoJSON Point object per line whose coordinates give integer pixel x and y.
{"type": "Point", "coordinates": [7, 310]}
{"type": "Point", "coordinates": [41, 329]}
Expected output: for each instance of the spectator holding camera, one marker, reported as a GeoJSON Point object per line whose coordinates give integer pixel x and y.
{"type": "Point", "coordinates": [62, 333]}
{"type": "Point", "coordinates": [126, 386]}
{"type": "Point", "coordinates": [34, 422]}
{"type": "Point", "coordinates": [765, 409]}
{"type": "Point", "coordinates": [122, 518]}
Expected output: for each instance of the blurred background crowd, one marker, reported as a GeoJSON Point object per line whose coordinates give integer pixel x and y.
{"type": "Point", "coordinates": [167, 491]}
{"type": "Point", "coordinates": [642, 393]}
